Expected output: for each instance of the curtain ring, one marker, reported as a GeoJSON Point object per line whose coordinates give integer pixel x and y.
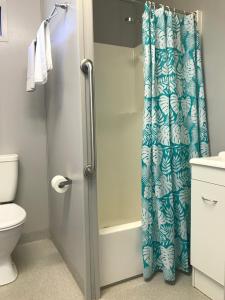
{"type": "Point", "coordinates": [168, 8]}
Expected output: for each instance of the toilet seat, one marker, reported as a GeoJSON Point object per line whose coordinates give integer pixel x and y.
{"type": "Point", "coordinates": [11, 215]}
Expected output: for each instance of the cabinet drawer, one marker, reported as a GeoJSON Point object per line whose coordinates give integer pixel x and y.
{"type": "Point", "coordinates": [207, 229]}
{"type": "Point", "coordinates": [211, 175]}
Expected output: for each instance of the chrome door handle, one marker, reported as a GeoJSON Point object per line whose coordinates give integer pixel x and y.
{"type": "Point", "coordinates": [209, 201]}
{"type": "Point", "coordinates": [88, 70]}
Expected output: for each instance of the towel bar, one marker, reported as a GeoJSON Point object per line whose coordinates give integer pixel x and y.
{"type": "Point", "coordinates": [54, 11]}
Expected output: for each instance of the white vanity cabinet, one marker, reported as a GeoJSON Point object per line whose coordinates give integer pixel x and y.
{"type": "Point", "coordinates": [208, 225]}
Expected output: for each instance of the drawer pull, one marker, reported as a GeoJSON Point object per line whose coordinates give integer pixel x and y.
{"type": "Point", "coordinates": [209, 201]}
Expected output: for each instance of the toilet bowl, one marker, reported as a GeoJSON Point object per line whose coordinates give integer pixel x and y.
{"type": "Point", "coordinates": [12, 217]}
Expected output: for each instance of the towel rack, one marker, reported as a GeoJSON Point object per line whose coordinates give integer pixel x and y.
{"type": "Point", "coordinates": [54, 11]}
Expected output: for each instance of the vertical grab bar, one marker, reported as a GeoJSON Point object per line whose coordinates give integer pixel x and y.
{"type": "Point", "coordinates": [88, 70]}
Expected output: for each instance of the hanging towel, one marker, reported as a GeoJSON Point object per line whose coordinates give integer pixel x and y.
{"type": "Point", "coordinates": [43, 56]}
{"type": "Point", "coordinates": [31, 67]}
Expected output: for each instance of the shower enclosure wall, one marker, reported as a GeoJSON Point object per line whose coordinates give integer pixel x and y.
{"type": "Point", "coordinates": [73, 226]}
{"type": "Point", "coordinates": [118, 64]}
{"type": "Point", "coordinates": [118, 61]}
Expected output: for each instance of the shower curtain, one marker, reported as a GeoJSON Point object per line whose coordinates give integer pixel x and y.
{"type": "Point", "coordinates": [175, 130]}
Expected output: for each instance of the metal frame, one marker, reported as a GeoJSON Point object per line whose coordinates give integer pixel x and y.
{"type": "Point", "coordinates": [156, 5]}
{"type": "Point", "coordinates": [197, 14]}
{"type": "Point", "coordinates": [90, 188]}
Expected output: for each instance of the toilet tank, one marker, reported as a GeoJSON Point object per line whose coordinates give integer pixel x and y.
{"type": "Point", "coordinates": [8, 177]}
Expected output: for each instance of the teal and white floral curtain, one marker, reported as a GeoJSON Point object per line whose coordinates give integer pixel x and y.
{"type": "Point", "coordinates": [175, 130]}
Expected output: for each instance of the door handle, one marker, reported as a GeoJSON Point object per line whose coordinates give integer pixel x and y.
{"type": "Point", "coordinates": [88, 69]}
{"type": "Point", "coordinates": [209, 201]}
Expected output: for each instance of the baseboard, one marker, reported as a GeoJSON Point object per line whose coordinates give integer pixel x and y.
{"type": "Point", "coordinates": [207, 286]}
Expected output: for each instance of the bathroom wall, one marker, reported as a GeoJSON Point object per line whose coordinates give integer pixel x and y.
{"type": "Point", "coordinates": [22, 116]}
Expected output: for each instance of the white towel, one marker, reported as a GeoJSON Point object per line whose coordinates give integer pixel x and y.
{"type": "Point", "coordinates": [43, 56]}
{"type": "Point", "coordinates": [31, 67]}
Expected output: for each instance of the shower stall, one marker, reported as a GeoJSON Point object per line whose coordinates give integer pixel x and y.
{"type": "Point", "coordinates": [94, 105]}
{"type": "Point", "coordinates": [119, 93]}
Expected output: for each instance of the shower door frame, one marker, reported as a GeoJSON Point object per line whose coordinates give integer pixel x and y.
{"type": "Point", "coordinates": [87, 51]}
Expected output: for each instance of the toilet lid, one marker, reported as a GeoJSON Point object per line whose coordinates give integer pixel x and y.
{"type": "Point", "coordinates": [11, 215]}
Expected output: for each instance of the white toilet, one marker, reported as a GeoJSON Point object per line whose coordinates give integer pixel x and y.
{"type": "Point", "coordinates": [12, 217]}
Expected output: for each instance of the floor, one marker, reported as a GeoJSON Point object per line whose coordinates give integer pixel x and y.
{"type": "Point", "coordinates": [157, 289]}
{"type": "Point", "coordinates": [44, 276]}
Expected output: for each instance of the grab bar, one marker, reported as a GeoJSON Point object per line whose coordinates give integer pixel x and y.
{"type": "Point", "coordinates": [88, 70]}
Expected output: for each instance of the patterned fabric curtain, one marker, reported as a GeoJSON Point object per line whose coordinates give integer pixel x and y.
{"type": "Point", "coordinates": [175, 130]}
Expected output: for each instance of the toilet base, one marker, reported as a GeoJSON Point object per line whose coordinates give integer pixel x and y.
{"type": "Point", "coordinates": [8, 271]}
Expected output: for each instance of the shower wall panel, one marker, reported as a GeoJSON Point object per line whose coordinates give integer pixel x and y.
{"type": "Point", "coordinates": [66, 135]}
{"type": "Point", "coordinates": [110, 26]}
{"type": "Point", "coordinates": [119, 110]}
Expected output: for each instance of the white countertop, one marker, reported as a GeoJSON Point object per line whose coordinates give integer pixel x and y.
{"type": "Point", "coordinates": [212, 161]}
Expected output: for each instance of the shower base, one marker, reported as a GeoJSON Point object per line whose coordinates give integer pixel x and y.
{"type": "Point", "coordinates": [120, 253]}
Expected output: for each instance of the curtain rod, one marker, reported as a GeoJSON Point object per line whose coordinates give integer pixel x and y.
{"type": "Point", "coordinates": [156, 5]}
{"type": "Point", "coordinates": [55, 9]}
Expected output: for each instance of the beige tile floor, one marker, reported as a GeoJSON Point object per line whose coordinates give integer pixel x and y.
{"type": "Point", "coordinates": [44, 276]}
{"type": "Point", "coordinates": [156, 289]}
